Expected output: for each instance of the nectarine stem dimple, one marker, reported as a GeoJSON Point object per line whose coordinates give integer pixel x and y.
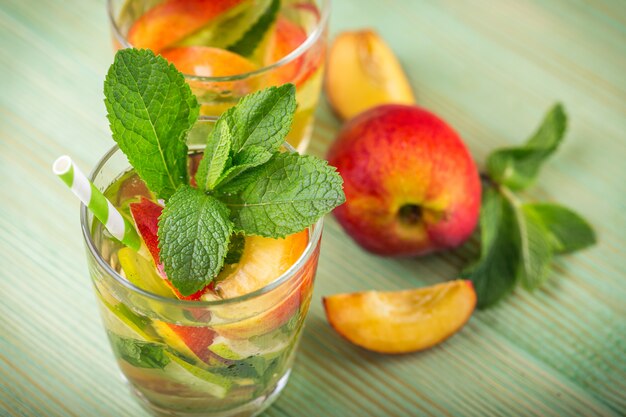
{"type": "Point", "coordinates": [410, 214]}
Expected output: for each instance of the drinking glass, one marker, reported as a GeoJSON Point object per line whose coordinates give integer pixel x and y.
{"type": "Point", "coordinates": [224, 357]}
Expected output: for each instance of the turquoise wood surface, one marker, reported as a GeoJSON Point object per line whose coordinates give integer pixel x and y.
{"type": "Point", "coordinates": [489, 68]}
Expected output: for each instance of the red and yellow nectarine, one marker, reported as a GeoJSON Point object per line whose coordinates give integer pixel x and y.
{"type": "Point", "coordinates": [411, 185]}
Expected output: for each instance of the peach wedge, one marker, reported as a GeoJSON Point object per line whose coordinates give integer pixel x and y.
{"type": "Point", "coordinates": [206, 61]}
{"type": "Point", "coordinates": [402, 321]}
{"type": "Point", "coordinates": [263, 260]}
{"type": "Point", "coordinates": [363, 73]}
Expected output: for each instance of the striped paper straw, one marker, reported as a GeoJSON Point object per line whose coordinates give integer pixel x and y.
{"type": "Point", "coordinates": [97, 203]}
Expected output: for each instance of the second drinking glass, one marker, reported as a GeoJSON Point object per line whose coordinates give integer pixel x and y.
{"type": "Point", "coordinates": [230, 48]}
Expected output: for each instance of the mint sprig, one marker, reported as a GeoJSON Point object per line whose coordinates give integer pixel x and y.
{"type": "Point", "coordinates": [194, 232]}
{"type": "Point", "coordinates": [139, 353]}
{"type": "Point", "coordinates": [215, 158]}
{"type": "Point", "coordinates": [247, 135]}
{"type": "Point", "coordinates": [245, 185]}
{"type": "Point", "coordinates": [285, 195]}
{"type": "Point", "coordinates": [150, 110]}
{"type": "Point", "coordinates": [263, 118]}
{"type": "Point", "coordinates": [520, 239]}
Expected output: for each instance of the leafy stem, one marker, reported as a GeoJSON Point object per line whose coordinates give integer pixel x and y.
{"type": "Point", "coordinates": [518, 238]}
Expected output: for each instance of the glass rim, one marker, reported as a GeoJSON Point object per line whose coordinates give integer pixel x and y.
{"type": "Point", "coordinates": [314, 237]}
{"type": "Point", "coordinates": [301, 49]}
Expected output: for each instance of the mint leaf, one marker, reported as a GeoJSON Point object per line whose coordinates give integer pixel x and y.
{"type": "Point", "coordinates": [235, 249]}
{"type": "Point", "coordinates": [285, 195]}
{"type": "Point", "coordinates": [253, 36]}
{"type": "Point", "coordinates": [150, 110]}
{"type": "Point", "coordinates": [216, 154]}
{"type": "Point", "coordinates": [139, 353]}
{"type": "Point", "coordinates": [535, 248]}
{"type": "Point", "coordinates": [194, 231]}
{"type": "Point", "coordinates": [568, 231]}
{"type": "Point", "coordinates": [248, 158]}
{"type": "Point", "coordinates": [517, 167]}
{"type": "Point", "coordinates": [257, 367]}
{"type": "Point", "coordinates": [262, 119]}
{"type": "Point", "coordinates": [494, 273]}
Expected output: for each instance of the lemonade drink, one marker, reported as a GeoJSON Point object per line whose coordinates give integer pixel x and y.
{"type": "Point", "coordinates": [228, 350]}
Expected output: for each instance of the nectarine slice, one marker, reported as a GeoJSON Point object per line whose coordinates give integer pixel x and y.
{"type": "Point", "coordinates": [362, 73]}
{"type": "Point", "coordinates": [263, 260]}
{"type": "Point", "coordinates": [172, 20]}
{"type": "Point", "coordinates": [401, 321]}
{"type": "Point", "coordinates": [206, 61]}
{"type": "Point", "coordinates": [191, 341]}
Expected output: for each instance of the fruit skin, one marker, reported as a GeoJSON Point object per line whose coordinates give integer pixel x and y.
{"type": "Point", "coordinates": [363, 72]}
{"type": "Point", "coordinates": [397, 322]}
{"type": "Point", "coordinates": [394, 156]}
{"type": "Point", "coordinates": [286, 38]}
{"type": "Point", "coordinates": [172, 20]}
{"type": "Point", "coordinates": [189, 340]}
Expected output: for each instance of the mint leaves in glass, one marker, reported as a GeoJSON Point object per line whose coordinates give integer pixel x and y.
{"type": "Point", "coordinates": [205, 316]}
{"type": "Point", "coordinates": [244, 183]}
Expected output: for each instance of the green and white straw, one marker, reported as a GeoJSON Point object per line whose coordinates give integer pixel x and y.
{"type": "Point", "coordinates": [97, 203]}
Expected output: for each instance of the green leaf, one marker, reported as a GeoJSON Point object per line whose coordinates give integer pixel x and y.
{"type": "Point", "coordinates": [235, 248]}
{"type": "Point", "coordinates": [568, 231]}
{"type": "Point", "coordinates": [194, 232]}
{"type": "Point", "coordinates": [518, 167]}
{"type": "Point", "coordinates": [150, 110]}
{"type": "Point", "coordinates": [494, 273]}
{"type": "Point", "coordinates": [248, 158]}
{"type": "Point", "coordinates": [216, 154]}
{"type": "Point", "coordinates": [535, 249]}
{"type": "Point", "coordinates": [250, 40]}
{"type": "Point", "coordinates": [262, 119]}
{"type": "Point", "coordinates": [285, 195]}
{"type": "Point", "coordinates": [257, 367]}
{"type": "Point", "coordinates": [139, 353]}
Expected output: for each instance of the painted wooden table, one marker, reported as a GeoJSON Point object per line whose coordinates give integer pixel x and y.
{"type": "Point", "coordinates": [490, 68]}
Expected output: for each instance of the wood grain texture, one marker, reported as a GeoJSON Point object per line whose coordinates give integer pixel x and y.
{"type": "Point", "coordinates": [489, 68]}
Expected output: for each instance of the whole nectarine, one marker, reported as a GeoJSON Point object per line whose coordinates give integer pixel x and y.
{"type": "Point", "coordinates": [411, 185]}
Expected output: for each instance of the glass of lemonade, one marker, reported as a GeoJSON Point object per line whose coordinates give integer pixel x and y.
{"type": "Point", "coordinates": [225, 352]}
{"type": "Point", "coordinates": [229, 48]}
